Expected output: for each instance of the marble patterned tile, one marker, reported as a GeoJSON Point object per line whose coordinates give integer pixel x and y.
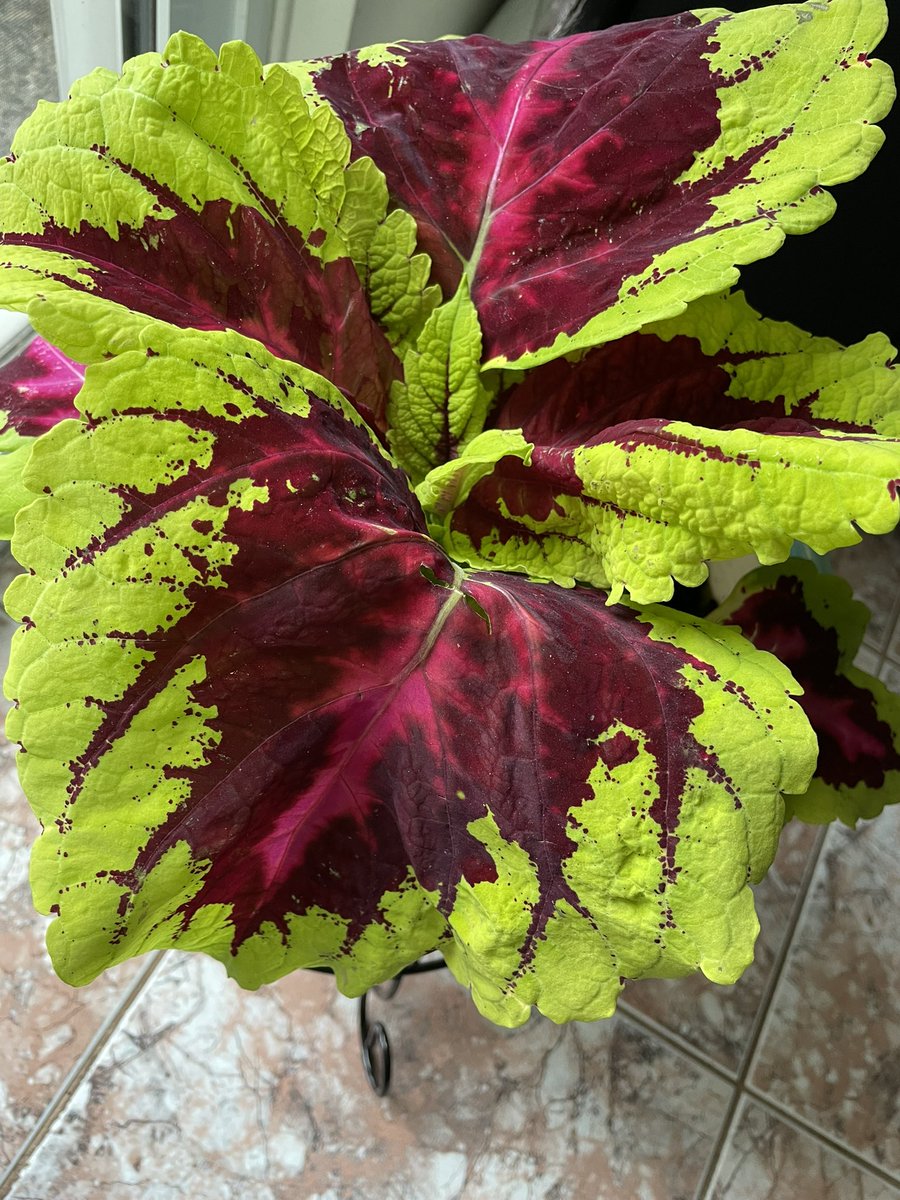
{"type": "Point", "coordinates": [890, 675]}
{"type": "Point", "coordinates": [868, 660]}
{"type": "Point", "coordinates": [212, 1093]}
{"type": "Point", "coordinates": [830, 1051]}
{"type": "Point", "coordinates": [718, 1020]}
{"type": "Point", "coordinates": [44, 1024]}
{"type": "Point", "coordinates": [873, 568]}
{"type": "Point", "coordinates": [767, 1159]}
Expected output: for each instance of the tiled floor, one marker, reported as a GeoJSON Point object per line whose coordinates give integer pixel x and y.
{"type": "Point", "coordinates": [164, 1081]}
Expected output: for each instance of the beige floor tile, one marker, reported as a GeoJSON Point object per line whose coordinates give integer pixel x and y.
{"type": "Point", "coordinates": [215, 1094]}
{"type": "Point", "coordinates": [767, 1159]}
{"type": "Point", "coordinates": [890, 675]}
{"type": "Point", "coordinates": [719, 1020]}
{"type": "Point", "coordinates": [831, 1048]}
{"type": "Point", "coordinates": [867, 660]}
{"type": "Point", "coordinates": [873, 568]}
{"type": "Point", "coordinates": [44, 1025]}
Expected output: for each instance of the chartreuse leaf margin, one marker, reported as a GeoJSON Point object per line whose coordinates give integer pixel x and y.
{"type": "Point", "coordinates": [372, 365]}
{"type": "Point", "coordinates": [195, 191]}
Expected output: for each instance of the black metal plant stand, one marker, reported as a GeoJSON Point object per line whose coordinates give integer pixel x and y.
{"type": "Point", "coordinates": [374, 1045]}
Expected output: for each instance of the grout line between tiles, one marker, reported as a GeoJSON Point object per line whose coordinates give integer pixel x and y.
{"type": "Point", "coordinates": [760, 1021]}
{"type": "Point", "coordinates": [763, 1013]}
{"type": "Point", "coordinates": [675, 1041]}
{"type": "Point", "coordinates": [786, 1115]}
{"type": "Point", "coordinates": [714, 1162]}
{"type": "Point", "coordinates": [75, 1076]}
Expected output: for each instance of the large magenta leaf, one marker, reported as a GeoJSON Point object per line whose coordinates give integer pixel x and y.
{"type": "Point", "coordinates": [191, 190]}
{"type": "Point", "coordinates": [460, 129]}
{"type": "Point", "coordinates": [590, 185]}
{"type": "Point", "coordinates": [338, 747]}
{"type": "Point", "coordinates": [810, 621]}
{"type": "Point", "coordinates": [707, 436]}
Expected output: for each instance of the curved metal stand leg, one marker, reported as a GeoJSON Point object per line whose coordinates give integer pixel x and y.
{"type": "Point", "coordinates": [373, 1039]}
{"type": "Point", "coordinates": [373, 1042]}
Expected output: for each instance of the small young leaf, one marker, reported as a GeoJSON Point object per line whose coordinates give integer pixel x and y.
{"type": "Point", "coordinates": [444, 399]}
{"type": "Point", "coordinates": [397, 284]}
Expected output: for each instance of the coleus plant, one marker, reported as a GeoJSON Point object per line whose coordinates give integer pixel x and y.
{"type": "Point", "coordinates": [378, 404]}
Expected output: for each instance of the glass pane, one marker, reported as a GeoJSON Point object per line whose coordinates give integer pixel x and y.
{"type": "Point", "coordinates": [27, 63]}
{"type": "Point", "coordinates": [218, 21]}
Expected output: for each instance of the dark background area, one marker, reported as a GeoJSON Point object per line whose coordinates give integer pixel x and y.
{"type": "Point", "coordinates": [838, 281]}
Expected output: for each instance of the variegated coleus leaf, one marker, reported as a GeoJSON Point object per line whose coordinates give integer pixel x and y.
{"type": "Point", "coordinates": [587, 186]}
{"type": "Point", "coordinates": [37, 390]}
{"type": "Point", "coordinates": [707, 436]}
{"type": "Point", "coordinates": [811, 622]}
{"type": "Point", "coordinates": [193, 190]}
{"type": "Point", "coordinates": [264, 716]}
